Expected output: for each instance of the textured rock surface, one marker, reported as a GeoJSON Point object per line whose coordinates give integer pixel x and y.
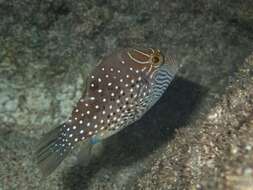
{"type": "Point", "coordinates": [199, 136]}
{"type": "Point", "coordinates": [215, 152]}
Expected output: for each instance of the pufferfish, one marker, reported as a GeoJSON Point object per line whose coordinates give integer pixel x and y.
{"type": "Point", "coordinates": [119, 91]}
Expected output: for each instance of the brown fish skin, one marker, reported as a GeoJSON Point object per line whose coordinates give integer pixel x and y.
{"type": "Point", "coordinates": [119, 91]}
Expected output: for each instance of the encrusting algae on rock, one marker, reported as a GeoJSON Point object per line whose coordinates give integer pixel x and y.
{"type": "Point", "coordinates": [122, 87]}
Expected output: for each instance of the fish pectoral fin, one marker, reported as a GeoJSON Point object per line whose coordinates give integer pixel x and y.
{"type": "Point", "coordinates": [84, 155]}
{"type": "Point", "coordinates": [89, 150]}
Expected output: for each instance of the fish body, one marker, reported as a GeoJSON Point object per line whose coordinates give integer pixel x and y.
{"type": "Point", "coordinates": [119, 91]}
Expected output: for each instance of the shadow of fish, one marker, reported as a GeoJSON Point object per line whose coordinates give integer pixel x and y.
{"type": "Point", "coordinates": [122, 87]}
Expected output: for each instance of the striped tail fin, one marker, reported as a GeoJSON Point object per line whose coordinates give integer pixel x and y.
{"type": "Point", "coordinates": [51, 150]}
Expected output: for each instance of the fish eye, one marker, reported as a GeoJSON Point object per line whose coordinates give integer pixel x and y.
{"type": "Point", "coordinates": [155, 59]}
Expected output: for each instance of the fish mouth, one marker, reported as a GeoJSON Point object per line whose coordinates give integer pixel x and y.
{"type": "Point", "coordinates": [171, 65]}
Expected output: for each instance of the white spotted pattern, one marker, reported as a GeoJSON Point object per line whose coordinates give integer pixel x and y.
{"type": "Point", "coordinates": [118, 93]}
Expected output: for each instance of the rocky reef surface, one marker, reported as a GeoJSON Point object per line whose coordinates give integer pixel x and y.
{"type": "Point", "coordinates": [198, 136]}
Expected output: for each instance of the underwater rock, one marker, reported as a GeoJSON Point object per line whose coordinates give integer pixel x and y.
{"type": "Point", "coordinates": [214, 152]}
